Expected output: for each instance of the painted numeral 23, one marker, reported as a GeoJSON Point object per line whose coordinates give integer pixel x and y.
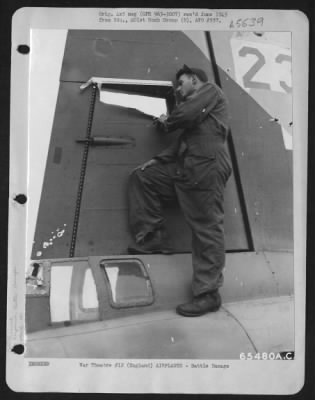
{"type": "Point", "coordinates": [248, 77]}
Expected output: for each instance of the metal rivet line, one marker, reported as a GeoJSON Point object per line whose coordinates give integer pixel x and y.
{"type": "Point", "coordinates": [82, 173]}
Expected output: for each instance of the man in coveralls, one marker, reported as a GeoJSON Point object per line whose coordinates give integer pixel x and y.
{"type": "Point", "coordinates": [194, 169]}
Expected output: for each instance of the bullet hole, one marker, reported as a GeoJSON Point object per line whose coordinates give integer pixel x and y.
{"type": "Point", "coordinates": [291, 123]}
{"type": "Point", "coordinates": [260, 34]}
{"type": "Point", "coordinates": [20, 198]}
{"type": "Point", "coordinates": [18, 349]}
{"type": "Point", "coordinates": [274, 119]}
{"type": "Point", "coordinates": [23, 49]}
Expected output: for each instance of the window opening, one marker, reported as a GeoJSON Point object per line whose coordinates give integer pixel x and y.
{"type": "Point", "coordinates": [60, 283]}
{"type": "Point", "coordinates": [152, 106]}
{"type": "Point", "coordinates": [129, 283]}
{"type": "Point", "coordinates": [147, 96]}
{"type": "Point", "coordinates": [89, 293]}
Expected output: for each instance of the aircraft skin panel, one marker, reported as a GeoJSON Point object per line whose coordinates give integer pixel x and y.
{"type": "Point", "coordinates": [104, 200]}
{"type": "Point", "coordinates": [78, 193]}
{"type": "Point", "coordinates": [83, 207]}
{"type": "Point", "coordinates": [261, 125]}
{"type": "Point", "coordinates": [163, 335]}
{"type": "Point", "coordinates": [247, 276]}
{"type": "Point", "coordinates": [58, 198]}
{"type": "Point", "coordinates": [124, 54]}
{"type": "Point", "coordinates": [276, 316]}
{"type": "Point", "coordinates": [259, 147]}
{"type": "Point", "coordinates": [37, 313]}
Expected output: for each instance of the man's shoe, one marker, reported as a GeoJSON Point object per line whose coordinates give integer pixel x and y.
{"type": "Point", "coordinates": [154, 243]}
{"type": "Point", "coordinates": [208, 302]}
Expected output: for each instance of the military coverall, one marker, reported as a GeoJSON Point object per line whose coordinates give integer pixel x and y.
{"type": "Point", "coordinates": [194, 169]}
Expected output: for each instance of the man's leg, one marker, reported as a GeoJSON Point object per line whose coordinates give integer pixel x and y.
{"type": "Point", "coordinates": [147, 189]}
{"type": "Point", "coordinates": [205, 215]}
{"type": "Point", "coordinates": [203, 210]}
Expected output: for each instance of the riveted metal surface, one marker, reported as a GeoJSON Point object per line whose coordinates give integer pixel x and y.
{"type": "Point", "coordinates": [37, 313]}
{"type": "Point", "coordinates": [82, 172]}
{"type": "Point", "coordinates": [269, 192]}
{"type": "Point", "coordinates": [257, 326]}
{"type": "Point", "coordinates": [264, 160]}
{"type": "Point", "coordinates": [59, 194]}
{"type": "Point", "coordinates": [266, 176]}
{"type": "Point", "coordinates": [159, 336]}
{"type": "Point", "coordinates": [91, 201]}
{"type": "Point", "coordinates": [269, 322]}
{"type": "Point", "coordinates": [153, 55]}
{"type": "Point", "coordinates": [246, 276]}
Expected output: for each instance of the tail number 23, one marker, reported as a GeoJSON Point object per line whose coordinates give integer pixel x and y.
{"type": "Point", "coordinates": [260, 62]}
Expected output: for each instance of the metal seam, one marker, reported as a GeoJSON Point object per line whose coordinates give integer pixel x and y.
{"type": "Point", "coordinates": [82, 173]}
{"type": "Point", "coordinates": [242, 327]}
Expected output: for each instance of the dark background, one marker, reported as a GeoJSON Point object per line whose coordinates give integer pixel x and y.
{"type": "Point", "coordinates": [7, 9]}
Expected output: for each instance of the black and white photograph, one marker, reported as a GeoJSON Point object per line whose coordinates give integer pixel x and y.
{"type": "Point", "coordinates": [164, 228]}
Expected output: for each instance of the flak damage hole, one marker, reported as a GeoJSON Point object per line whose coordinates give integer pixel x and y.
{"type": "Point", "coordinates": [23, 49]}
{"type": "Point", "coordinates": [21, 198]}
{"type": "Point", "coordinates": [18, 349]}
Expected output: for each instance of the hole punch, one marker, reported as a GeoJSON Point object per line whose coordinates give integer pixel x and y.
{"type": "Point", "coordinates": [21, 198]}
{"type": "Point", "coordinates": [23, 49]}
{"type": "Point", "coordinates": [18, 349]}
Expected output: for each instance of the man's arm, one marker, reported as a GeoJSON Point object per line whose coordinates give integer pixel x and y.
{"type": "Point", "coordinates": [192, 110]}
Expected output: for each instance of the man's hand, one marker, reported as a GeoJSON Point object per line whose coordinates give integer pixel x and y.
{"type": "Point", "coordinates": [160, 123]}
{"type": "Point", "coordinates": [162, 118]}
{"type": "Point", "coordinates": [148, 164]}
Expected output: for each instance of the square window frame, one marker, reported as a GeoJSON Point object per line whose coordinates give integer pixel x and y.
{"type": "Point", "coordinates": [130, 304]}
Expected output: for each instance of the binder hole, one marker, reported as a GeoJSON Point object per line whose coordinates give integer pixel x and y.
{"type": "Point", "coordinates": [18, 349]}
{"type": "Point", "coordinates": [20, 198]}
{"type": "Point", "coordinates": [23, 48]}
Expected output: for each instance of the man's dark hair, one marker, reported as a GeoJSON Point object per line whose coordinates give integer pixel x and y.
{"type": "Point", "coordinates": [192, 71]}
